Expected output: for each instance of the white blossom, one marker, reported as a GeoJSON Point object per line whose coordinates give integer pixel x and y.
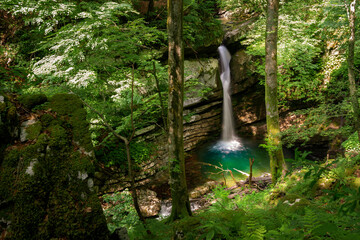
{"type": "Point", "coordinates": [83, 78]}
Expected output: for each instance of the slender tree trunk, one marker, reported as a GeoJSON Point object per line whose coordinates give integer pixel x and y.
{"type": "Point", "coordinates": [179, 194]}
{"type": "Point", "coordinates": [150, 8]}
{"type": "Point", "coordinates": [251, 162]}
{"type": "Point", "coordinates": [127, 147]}
{"type": "Point", "coordinates": [128, 156]}
{"type": "Point", "coordinates": [272, 113]}
{"type": "Point", "coordinates": [132, 182]}
{"type": "Point", "coordinates": [351, 72]}
{"type": "Point", "coordinates": [160, 98]}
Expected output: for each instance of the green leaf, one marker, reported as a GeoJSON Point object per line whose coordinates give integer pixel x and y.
{"type": "Point", "coordinates": [210, 235]}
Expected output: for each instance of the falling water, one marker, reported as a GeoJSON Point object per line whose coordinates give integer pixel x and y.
{"type": "Point", "coordinates": [228, 133]}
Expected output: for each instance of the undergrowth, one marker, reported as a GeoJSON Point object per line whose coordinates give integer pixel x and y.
{"type": "Point", "coordinates": [316, 200]}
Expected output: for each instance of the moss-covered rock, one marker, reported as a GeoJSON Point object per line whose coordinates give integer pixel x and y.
{"type": "Point", "coordinates": [49, 181]}
{"type": "Point", "coordinates": [32, 100]}
{"type": "Point", "coordinates": [2, 107]}
{"type": "Point", "coordinates": [69, 106]}
{"type": "Point", "coordinates": [47, 120]}
{"type": "Point", "coordinates": [9, 129]}
{"type": "Point", "coordinates": [33, 131]}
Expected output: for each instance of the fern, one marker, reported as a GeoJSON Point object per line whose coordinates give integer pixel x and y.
{"type": "Point", "coordinates": [311, 222]}
{"type": "Point", "coordinates": [212, 228]}
{"type": "Point", "coordinates": [255, 231]}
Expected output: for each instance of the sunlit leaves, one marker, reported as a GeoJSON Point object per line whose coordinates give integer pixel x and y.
{"type": "Point", "coordinates": [299, 51]}
{"type": "Point", "coordinates": [98, 41]}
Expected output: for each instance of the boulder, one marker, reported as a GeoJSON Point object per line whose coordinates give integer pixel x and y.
{"type": "Point", "coordinates": [46, 184]}
{"type": "Point", "coordinates": [202, 190]}
{"type": "Point", "coordinates": [30, 101]}
{"type": "Point", "coordinates": [149, 204]}
{"type": "Point", "coordinates": [9, 129]}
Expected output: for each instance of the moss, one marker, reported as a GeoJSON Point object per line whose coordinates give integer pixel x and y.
{"type": "Point", "coordinates": [7, 179]}
{"type": "Point", "coordinates": [33, 131]}
{"type": "Point", "coordinates": [81, 129]}
{"type": "Point", "coordinates": [11, 158]}
{"type": "Point", "coordinates": [58, 137]}
{"type": "Point", "coordinates": [11, 113]}
{"type": "Point", "coordinates": [47, 119]}
{"type": "Point", "coordinates": [29, 210]}
{"type": "Point", "coordinates": [65, 104]}
{"type": "Point", "coordinates": [3, 133]}
{"type": "Point", "coordinates": [81, 163]}
{"type": "Point", "coordinates": [2, 107]}
{"type": "Point", "coordinates": [32, 100]}
{"type": "Point", "coordinates": [54, 200]}
{"type": "Point", "coordinates": [70, 105]}
{"type": "Point", "coordinates": [35, 149]}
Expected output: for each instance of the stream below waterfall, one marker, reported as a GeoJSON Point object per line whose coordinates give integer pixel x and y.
{"type": "Point", "coordinates": [166, 207]}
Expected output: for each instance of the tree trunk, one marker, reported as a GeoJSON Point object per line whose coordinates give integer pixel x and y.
{"type": "Point", "coordinates": [160, 98]}
{"type": "Point", "coordinates": [132, 183]}
{"type": "Point", "coordinates": [272, 113]}
{"type": "Point", "coordinates": [179, 194]}
{"type": "Point", "coordinates": [150, 8]}
{"type": "Point", "coordinates": [351, 68]}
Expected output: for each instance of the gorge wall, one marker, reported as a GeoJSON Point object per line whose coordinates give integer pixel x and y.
{"type": "Point", "coordinates": [202, 118]}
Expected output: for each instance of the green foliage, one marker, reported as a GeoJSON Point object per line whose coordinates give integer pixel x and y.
{"type": "Point", "coordinates": [222, 200]}
{"type": "Point", "coordinates": [119, 211]}
{"type": "Point", "coordinates": [352, 200]}
{"type": "Point", "coordinates": [195, 88]}
{"type": "Point", "coordinates": [299, 51]}
{"type": "Point", "coordinates": [114, 154]}
{"type": "Point", "coordinates": [214, 226]}
{"type": "Point", "coordinates": [270, 145]}
{"type": "Point", "coordinates": [316, 121]}
{"type": "Point", "coordinates": [244, 6]}
{"type": "Point", "coordinates": [300, 212]}
{"type": "Point", "coordinates": [299, 159]}
{"type": "Point", "coordinates": [352, 144]}
{"type": "Point", "coordinates": [200, 26]}
{"type": "Point", "coordinates": [96, 49]}
{"type": "Point", "coordinates": [254, 230]}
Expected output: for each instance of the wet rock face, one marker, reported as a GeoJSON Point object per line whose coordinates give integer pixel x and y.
{"type": "Point", "coordinates": [46, 180]}
{"type": "Point", "coordinates": [203, 114]}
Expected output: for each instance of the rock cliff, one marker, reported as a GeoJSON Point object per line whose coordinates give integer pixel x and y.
{"type": "Point", "coordinates": [46, 174]}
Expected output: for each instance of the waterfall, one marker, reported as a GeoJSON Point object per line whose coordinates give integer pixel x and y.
{"type": "Point", "coordinates": [228, 132]}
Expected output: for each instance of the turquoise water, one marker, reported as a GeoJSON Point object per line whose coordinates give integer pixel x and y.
{"type": "Point", "coordinates": [234, 156]}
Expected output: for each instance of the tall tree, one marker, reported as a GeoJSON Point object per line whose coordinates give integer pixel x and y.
{"type": "Point", "coordinates": [351, 68]}
{"type": "Point", "coordinates": [271, 98]}
{"type": "Point", "coordinates": [179, 194]}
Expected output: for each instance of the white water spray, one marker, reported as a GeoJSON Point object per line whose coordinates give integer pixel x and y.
{"type": "Point", "coordinates": [228, 132]}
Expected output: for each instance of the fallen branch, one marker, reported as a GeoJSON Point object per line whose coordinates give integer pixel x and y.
{"type": "Point", "coordinates": [246, 174]}
{"type": "Point", "coordinates": [222, 171]}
